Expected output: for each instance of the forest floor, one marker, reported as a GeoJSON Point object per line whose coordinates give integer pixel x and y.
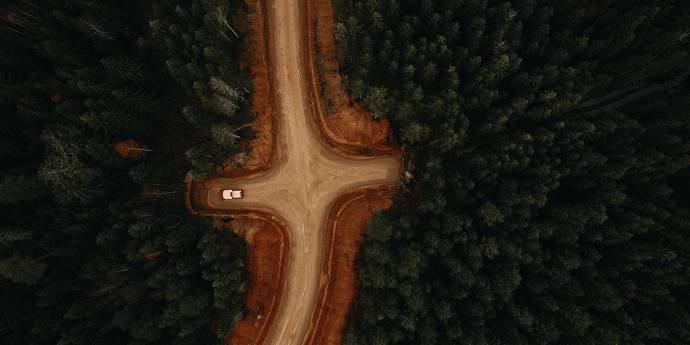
{"type": "Point", "coordinates": [316, 173]}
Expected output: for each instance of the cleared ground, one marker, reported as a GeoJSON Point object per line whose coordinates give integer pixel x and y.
{"type": "Point", "coordinates": [304, 181]}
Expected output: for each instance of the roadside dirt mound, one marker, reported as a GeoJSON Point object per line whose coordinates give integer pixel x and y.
{"type": "Point", "coordinates": [346, 227]}
{"type": "Point", "coordinates": [267, 253]}
{"type": "Point", "coordinates": [344, 117]}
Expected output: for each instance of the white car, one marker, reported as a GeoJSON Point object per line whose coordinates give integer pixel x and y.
{"type": "Point", "coordinates": [229, 194]}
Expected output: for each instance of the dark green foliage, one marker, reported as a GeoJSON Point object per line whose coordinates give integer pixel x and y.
{"type": "Point", "coordinates": [198, 40]}
{"type": "Point", "coordinates": [552, 148]}
{"type": "Point", "coordinates": [26, 270]}
{"type": "Point", "coordinates": [16, 189]}
{"type": "Point", "coordinates": [96, 248]}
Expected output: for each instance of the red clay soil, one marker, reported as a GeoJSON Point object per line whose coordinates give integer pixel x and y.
{"type": "Point", "coordinates": [346, 227]}
{"type": "Point", "coordinates": [267, 244]}
{"type": "Point", "coordinates": [344, 118]}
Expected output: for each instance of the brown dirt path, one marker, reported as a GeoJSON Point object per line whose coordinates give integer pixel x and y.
{"type": "Point", "coordinates": [311, 168]}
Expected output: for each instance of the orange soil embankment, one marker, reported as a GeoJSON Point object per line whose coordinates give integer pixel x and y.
{"type": "Point", "coordinates": [267, 254]}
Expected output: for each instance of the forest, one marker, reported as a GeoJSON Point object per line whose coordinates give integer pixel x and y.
{"type": "Point", "coordinates": [549, 143]}
{"type": "Point", "coordinates": [106, 107]}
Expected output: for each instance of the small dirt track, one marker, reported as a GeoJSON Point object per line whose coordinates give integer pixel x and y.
{"type": "Point", "coordinates": [306, 178]}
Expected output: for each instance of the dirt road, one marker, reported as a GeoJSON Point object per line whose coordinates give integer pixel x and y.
{"type": "Point", "coordinates": [304, 181]}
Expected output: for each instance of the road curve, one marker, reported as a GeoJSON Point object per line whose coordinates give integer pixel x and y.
{"type": "Point", "coordinates": [306, 178]}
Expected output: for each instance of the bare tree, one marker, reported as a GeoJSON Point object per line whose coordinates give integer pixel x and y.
{"type": "Point", "coordinates": [222, 19]}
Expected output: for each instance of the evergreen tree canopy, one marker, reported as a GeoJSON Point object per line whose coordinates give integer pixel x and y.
{"type": "Point", "coordinates": [96, 244]}
{"type": "Point", "coordinates": [551, 145]}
